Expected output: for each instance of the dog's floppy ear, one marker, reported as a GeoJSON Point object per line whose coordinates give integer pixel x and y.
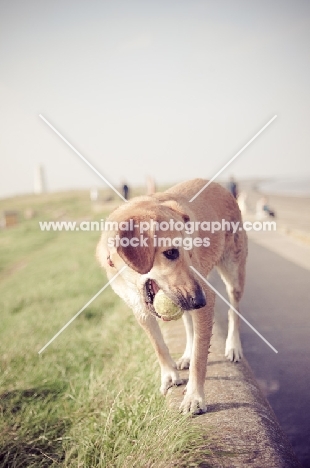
{"type": "Point", "coordinates": [135, 248]}
{"type": "Point", "coordinates": [175, 206]}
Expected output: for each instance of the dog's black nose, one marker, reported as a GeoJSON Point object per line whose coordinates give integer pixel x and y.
{"type": "Point", "coordinates": [199, 300]}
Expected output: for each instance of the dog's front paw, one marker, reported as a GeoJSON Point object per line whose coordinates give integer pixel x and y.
{"type": "Point", "coordinates": [170, 378]}
{"type": "Point", "coordinates": [183, 363]}
{"type": "Point", "coordinates": [193, 403]}
{"type": "Point", "coordinates": [233, 349]}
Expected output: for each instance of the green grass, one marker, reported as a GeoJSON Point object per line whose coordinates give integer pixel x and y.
{"type": "Point", "coordinates": [91, 398]}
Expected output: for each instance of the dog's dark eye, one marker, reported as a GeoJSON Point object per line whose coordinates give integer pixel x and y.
{"type": "Point", "coordinates": [171, 254]}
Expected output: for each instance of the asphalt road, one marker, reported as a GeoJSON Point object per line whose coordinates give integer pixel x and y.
{"type": "Point", "coordinates": [277, 303]}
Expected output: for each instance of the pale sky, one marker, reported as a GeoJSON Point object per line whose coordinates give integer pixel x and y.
{"type": "Point", "coordinates": [171, 88]}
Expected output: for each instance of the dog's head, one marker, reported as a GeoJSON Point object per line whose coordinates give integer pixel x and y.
{"type": "Point", "coordinates": [145, 238]}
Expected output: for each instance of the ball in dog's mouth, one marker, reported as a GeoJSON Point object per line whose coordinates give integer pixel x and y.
{"type": "Point", "coordinates": [159, 304]}
{"type": "Point", "coordinates": [166, 308]}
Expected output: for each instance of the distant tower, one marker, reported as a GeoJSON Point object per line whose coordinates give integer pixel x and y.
{"type": "Point", "coordinates": [39, 181]}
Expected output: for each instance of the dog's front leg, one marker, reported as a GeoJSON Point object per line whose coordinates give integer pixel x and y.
{"type": "Point", "coordinates": [194, 399]}
{"type": "Point", "coordinates": [184, 361]}
{"type": "Point", "coordinates": [169, 373]}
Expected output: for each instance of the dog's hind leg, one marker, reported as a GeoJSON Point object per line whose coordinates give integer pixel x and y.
{"type": "Point", "coordinates": [233, 274]}
{"type": "Point", "coordinates": [169, 373]}
{"type": "Point", "coordinates": [184, 361]}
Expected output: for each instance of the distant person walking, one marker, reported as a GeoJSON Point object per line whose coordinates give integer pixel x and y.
{"type": "Point", "coordinates": [125, 190]}
{"type": "Point", "coordinates": [233, 188]}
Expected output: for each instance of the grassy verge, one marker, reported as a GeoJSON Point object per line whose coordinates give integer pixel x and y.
{"type": "Point", "coordinates": [91, 399]}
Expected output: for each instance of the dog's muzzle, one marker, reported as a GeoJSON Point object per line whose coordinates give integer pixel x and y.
{"type": "Point", "coordinates": [193, 300]}
{"type": "Point", "coordinates": [196, 300]}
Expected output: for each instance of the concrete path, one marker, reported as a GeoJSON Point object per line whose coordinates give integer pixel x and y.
{"type": "Point", "coordinates": [286, 246]}
{"type": "Point", "coordinates": [276, 302]}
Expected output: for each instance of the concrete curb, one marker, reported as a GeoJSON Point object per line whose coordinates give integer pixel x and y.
{"type": "Point", "coordinates": [240, 426]}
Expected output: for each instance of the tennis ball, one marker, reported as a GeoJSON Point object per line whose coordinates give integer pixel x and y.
{"type": "Point", "coordinates": [166, 308]}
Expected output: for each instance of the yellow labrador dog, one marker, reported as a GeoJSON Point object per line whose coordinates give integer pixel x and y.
{"type": "Point", "coordinates": [160, 238]}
